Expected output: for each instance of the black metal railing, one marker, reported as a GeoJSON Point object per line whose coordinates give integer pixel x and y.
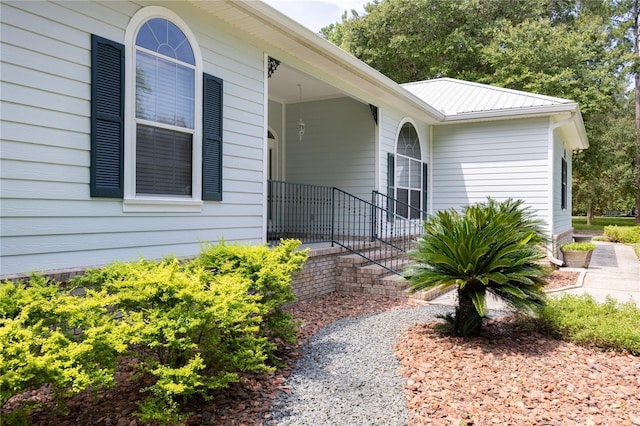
{"type": "Point", "coordinates": [313, 214]}
{"type": "Point", "coordinates": [399, 208]}
{"type": "Point", "coordinates": [299, 211]}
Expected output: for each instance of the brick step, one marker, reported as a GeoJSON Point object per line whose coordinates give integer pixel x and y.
{"type": "Point", "coordinates": [396, 264]}
{"type": "Point", "coordinates": [354, 259]}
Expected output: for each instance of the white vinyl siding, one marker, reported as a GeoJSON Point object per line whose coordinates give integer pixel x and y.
{"type": "Point", "coordinates": [500, 159]}
{"type": "Point", "coordinates": [337, 148]}
{"type": "Point", "coordinates": [561, 218]}
{"type": "Point", "coordinates": [48, 220]}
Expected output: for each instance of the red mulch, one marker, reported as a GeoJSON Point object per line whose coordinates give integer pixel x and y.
{"type": "Point", "coordinates": [510, 376]}
{"type": "Point", "coordinates": [561, 279]}
{"type": "Point", "coordinates": [507, 376]}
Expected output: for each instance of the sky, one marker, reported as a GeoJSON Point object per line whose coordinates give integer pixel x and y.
{"type": "Point", "coordinates": [315, 14]}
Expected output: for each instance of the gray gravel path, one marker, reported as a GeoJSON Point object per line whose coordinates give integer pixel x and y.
{"type": "Point", "coordinates": [348, 374]}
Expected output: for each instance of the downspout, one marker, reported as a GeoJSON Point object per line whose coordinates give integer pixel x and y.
{"type": "Point", "coordinates": [552, 174]}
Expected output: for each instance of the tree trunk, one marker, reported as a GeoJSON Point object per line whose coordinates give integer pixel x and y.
{"type": "Point", "coordinates": [636, 51]}
{"type": "Point", "coordinates": [589, 211]}
{"type": "Point", "coordinates": [637, 209]}
{"type": "Point", "coordinates": [467, 320]}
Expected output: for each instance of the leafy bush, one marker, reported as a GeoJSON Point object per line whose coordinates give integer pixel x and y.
{"type": "Point", "coordinates": [578, 246]}
{"type": "Point", "coordinates": [50, 336]}
{"type": "Point", "coordinates": [191, 330]}
{"type": "Point", "coordinates": [193, 326]}
{"type": "Point", "coordinates": [622, 234]}
{"type": "Point", "coordinates": [491, 247]}
{"type": "Point", "coordinates": [269, 271]}
{"type": "Point", "coordinates": [609, 325]}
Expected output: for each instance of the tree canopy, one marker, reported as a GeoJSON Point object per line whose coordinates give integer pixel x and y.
{"type": "Point", "coordinates": [581, 50]}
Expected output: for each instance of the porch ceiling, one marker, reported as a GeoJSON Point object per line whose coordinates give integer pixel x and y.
{"type": "Point", "coordinates": [283, 86]}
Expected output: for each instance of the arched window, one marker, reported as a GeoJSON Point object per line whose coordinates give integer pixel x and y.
{"type": "Point", "coordinates": [164, 111]}
{"type": "Point", "coordinates": [409, 180]}
{"type": "Point", "coordinates": [156, 117]}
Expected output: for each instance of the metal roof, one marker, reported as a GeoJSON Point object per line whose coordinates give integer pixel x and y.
{"type": "Point", "coordinates": [459, 99]}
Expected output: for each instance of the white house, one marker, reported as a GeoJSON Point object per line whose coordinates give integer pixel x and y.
{"type": "Point", "coordinates": [506, 144]}
{"type": "Point", "coordinates": [145, 128]}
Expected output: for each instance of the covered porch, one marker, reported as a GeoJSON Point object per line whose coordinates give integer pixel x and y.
{"type": "Point", "coordinates": [322, 171]}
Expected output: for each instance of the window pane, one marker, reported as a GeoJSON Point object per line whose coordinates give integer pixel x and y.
{"type": "Point", "coordinates": [416, 174]}
{"type": "Point", "coordinates": [166, 107]}
{"type": "Point", "coordinates": [146, 86]}
{"type": "Point", "coordinates": [165, 38]}
{"type": "Point", "coordinates": [402, 166]}
{"type": "Point", "coordinates": [401, 207]}
{"type": "Point", "coordinates": [185, 96]}
{"type": "Point", "coordinates": [408, 142]}
{"type": "Point", "coordinates": [146, 38]}
{"type": "Point", "coordinates": [415, 202]}
{"type": "Point", "coordinates": [164, 91]}
{"type": "Point", "coordinates": [163, 162]}
{"type": "Point", "coordinates": [158, 27]}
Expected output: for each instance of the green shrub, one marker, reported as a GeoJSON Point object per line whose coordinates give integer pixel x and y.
{"type": "Point", "coordinates": [622, 234]}
{"type": "Point", "coordinates": [609, 325]}
{"type": "Point", "coordinates": [50, 336]}
{"type": "Point", "coordinates": [191, 330]}
{"type": "Point", "coordinates": [193, 326]}
{"type": "Point", "coordinates": [269, 271]}
{"type": "Point", "coordinates": [578, 246]}
{"type": "Point", "coordinates": [490, 247]}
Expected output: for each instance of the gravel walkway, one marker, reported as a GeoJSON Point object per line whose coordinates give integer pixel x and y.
{"type": "Point", "coordinates": [348, 373]}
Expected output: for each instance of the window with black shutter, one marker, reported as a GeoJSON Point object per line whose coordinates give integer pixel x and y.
{"type": "Point", "coordinates": [171, 126]}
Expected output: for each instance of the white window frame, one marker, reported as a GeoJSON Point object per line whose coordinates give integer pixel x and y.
{"type": "Point", "coordinates": [133, 202]}
{"type": "Point", "coordinates": [397, 168]}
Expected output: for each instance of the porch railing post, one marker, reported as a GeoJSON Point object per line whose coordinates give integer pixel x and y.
{"type": "Point", "coordinates": [333, 215]}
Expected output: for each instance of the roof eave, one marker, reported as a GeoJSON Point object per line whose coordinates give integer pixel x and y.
{"type": "Point", "coordinates": [502, 114]}
{"type": "Point", "coordinates": [345, 65]}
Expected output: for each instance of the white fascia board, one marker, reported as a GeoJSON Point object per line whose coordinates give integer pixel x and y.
{"type": "Point", "coordinates": [512, 113]}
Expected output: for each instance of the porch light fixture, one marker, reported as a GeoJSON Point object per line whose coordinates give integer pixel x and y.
{"type": "Point", "coordinates": [300, 122]}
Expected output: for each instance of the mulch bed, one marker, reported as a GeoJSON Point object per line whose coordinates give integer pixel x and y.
{"type": "Point", "coordinates": [510, 376]}
{"type": "Point", "coordinates": [507, 376]}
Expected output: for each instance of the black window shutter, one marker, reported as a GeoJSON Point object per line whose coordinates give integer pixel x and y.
{"type": "Point", "coordinates": [563, 184]}
{"type": "Point", "coordinates": [107, 118]}
{"type": "Point", "coordinates": [425, 188]}
{"type": "Point", "coordinates": [391, 193]}
{"type": "Point", "coordinates": [391, 171]}
{"type": "Point", "coordinates": [212, 138]}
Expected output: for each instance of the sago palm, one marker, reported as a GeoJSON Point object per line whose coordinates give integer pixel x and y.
{"type": "Point", "coordinates": [491, 247]}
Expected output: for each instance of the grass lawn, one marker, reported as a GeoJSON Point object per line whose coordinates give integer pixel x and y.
{"type": "Point", "coordinates": [599, 222]}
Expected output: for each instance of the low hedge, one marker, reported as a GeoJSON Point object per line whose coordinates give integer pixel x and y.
{"type": "Point", "coordinates": [622, 234]}
{"type": "Point", "coordinates": [580, 319]}
{"type": "Point", "coordinates": [193, 326]}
